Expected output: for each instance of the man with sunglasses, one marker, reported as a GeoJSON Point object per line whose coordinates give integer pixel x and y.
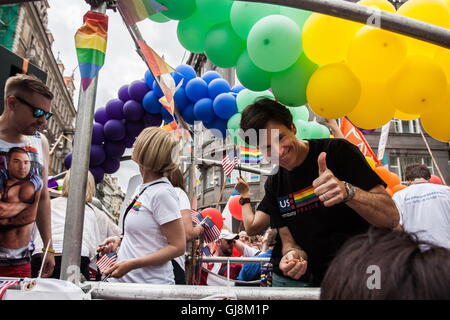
{"type": "Point", "coordinates": [27, 108]}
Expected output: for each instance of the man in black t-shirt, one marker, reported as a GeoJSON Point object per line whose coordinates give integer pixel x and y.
{"type": "Point", "coordinates": [323, 194]}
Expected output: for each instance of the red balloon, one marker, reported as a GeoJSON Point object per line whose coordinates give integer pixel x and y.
{"type": "Point", "coordinates": [435, 179]}
{"type": "Point", "coordinates": [215, 216]}
{"type": "Point", "coordinates": [235, 207]}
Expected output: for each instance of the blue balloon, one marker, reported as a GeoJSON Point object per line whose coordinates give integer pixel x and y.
{"type": "Point", "coordinates": [218, 86]}
{"type": "Point", "coordinates": [151, 103]}
{"type": "Point", "coordinates": [237, 88]}
{"type": "Point", "coordinates": [210, 76]}
{"type": "Point", "coordinates": [188, 114]}
{"type": "Point", "coordinates": [221, 126]}
{"type": "Point", "coordinates": [204, 111]}
{"type": "Point", "coordinates": [181, 100]}
{"type": "Point", "coordinates": [148, 77]}
{"type": "Point", "coordinates": [184, 72]}
{"type": "Point", "coordinates": [225, 106]}
{"type": "Point", "coordinates": [196, 89]}
{"type": "Point", "coordinates": [157, 90]}
{"type": "Point", "coordinates": [167, 117]}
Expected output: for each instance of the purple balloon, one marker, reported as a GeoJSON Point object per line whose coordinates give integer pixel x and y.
{"type": "Point", "coordinates": [111, 165]}
{"type": "Point", "coordinates": [97, 155]}
{"type": "Point", "coordinates": [98, 173]}
{"type": "Point", "coordinates": [114, 149]}
{"type": "Point", "coordinates": [114, 109]}
{"type": "Point", "coordinates": [134, 128]}
{"type": "Point", "coordinates": [152, 119]}
{"type": "Point", "coordinates": [100, 115]}
{"type": "Point", "coordinates": [98, 136]}
{"type": "Point", "coordinates": [123, 93]}
{"type": "Point", "coordinates": [114, 130]}
{"type": "Point", "coordinates": [68, 161]}
{"type": "Point", "coordinates": [129, 141]}
{"type": "Point", "coordinates": [137, 90]}
{"type": "Point", "coordinates": [133, 110]}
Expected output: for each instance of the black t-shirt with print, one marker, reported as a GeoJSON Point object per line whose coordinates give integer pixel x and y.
{"type": "Point", "coordinates": [320, 231]}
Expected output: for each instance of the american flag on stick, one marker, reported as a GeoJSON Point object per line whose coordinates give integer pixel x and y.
{"type": "Point", "coordinates": [228, 165]}
{"type": "Point", "coordinates": [5, 285]}
{"type": "Point", "coordinates": [196, 216]}
{"type": "Point", "coordinates": [211, 233]}
{"type": "Point", "coordinates": [107, 261]}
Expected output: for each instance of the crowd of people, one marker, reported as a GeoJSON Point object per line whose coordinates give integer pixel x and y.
{"type": "Point", "coordinates": [325, 220]}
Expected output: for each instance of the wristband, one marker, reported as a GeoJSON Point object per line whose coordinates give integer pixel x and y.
{"type": "Point", "coordinates": [48, 250]}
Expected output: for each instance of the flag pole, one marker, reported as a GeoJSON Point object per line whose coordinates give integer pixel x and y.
{"type": "Point", "coordinates": [221, 191]}
{"type": "Point", "coordinates": [432, 156]}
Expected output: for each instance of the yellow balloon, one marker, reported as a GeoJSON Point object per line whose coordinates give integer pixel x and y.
{"type": "Point", "coordinates": [326, 39]}
{"type": "Point", "coordinates": [371, 162]}
{"type": "Point", "coordinates": [447, 2]}
{"type": "Point", "coordinates": [418, 86]}
{"type": "Point", "coordinates": [375, 107]}
{"type": "Point", "coordinates": [443, 59]}
{"type": "Point", "coordinates": [436, 123]}
{"type": "Point", "coordinates": [380, 4]}
{"type": "Point", "coordinates": [430, 11]}
{"type": "Point", "coordinates": [333, 91]}
{"type": "Point", "coordinates": [375, 54]}
{"type": "Point", "coordinates": [405, 116]}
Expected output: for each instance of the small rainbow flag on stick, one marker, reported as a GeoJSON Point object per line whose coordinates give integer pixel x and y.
{"type": "Point", "coordinates": [90, 41]}
{"type": "Point", "coordinates": [138, 10]}
{"type": "Point", "coordinates": [250, 155]}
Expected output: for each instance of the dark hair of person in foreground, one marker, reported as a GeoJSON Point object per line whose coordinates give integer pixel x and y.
{"type": "Point", "coordinates": [408, 268]}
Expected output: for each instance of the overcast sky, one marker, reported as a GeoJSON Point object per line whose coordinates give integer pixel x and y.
{"type": "Point", "coordinates": [122, 63]}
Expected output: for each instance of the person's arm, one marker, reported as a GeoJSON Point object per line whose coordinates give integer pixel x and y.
{"type": "Point", "coordinates": [176, 246]}
{"type": "Point", "coordinates": [293, 263]}
{"type": "Point", "coordinates": [245, 250]}
{"type": "Point", "coordinates": [375, 205]}
{"type": "Point", "coordinates": [334, 128]}
{"type": "Point", "coordinates": [254, 223]}
{"type": "Point", "coordinates": [192, 232]}
{"type": "Point", "coordinates": [8, 210]}
{"type": "Point", "coordinates": [24, 217]}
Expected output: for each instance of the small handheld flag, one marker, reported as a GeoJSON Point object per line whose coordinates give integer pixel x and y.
{"type": "Point", "coordinates": [228, 165]}
{"type": "Point", "coordinates": [211, 233]}
{"type": "Point", "coordinates": [107, 261]}
{"type": "Point", "coordinates": [5, 285]}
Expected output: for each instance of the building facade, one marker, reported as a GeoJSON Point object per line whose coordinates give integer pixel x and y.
{"type": "Point", "coordinates": [110, 195]}
{"type": "Point", "coordinates": [24, 31]}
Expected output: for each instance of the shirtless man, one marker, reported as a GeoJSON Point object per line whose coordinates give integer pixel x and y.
{"type": "Point", "coordinates": [27, 109]}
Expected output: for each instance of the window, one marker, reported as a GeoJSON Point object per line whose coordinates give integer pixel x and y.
{"type": "Point", "coordinates": [211, 179]}
{"type": "Point", "coordinates": [406, 126]}
{"type": "Point", "coordinates": [398, 164]}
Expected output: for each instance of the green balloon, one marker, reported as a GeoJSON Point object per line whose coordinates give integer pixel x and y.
{"type": "Point", "coordinates": [192, 32]}
{"type": "Point", "coordinates": [299, 113]}
{"type": "Point", "coordinates": [250, 75]}
{"type": "Point", "coordinates": [159, 17]}
{"type": "Point", "coordinates": [302, 129]}
{"type": "Point", "coordinates": [178, 9]}
{"type": "Point", "coordinates": [234, 122]}
{"type": "Point", "coordinates": [222, 46]}
{"type": "Point", "coordinates": [315, 130]}
{"type": "Point", "coordinates": [299, 16]}
{"type": "Point", "coordinates": [289, 86]}
{"type": "Point", "coordinates": [274, 43]}
{"type": "Point", "coordinates": [247, 97]}
{"type": "Point", "coordinates": [217, 10]}
{"type": "Point", "coordinates": [325, 132]}
{"type": "Point", "coordinates": [245, 14]}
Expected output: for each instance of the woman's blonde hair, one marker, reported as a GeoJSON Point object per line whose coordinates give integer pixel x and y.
{"type": "Point", "coordinates": [90, 186]}
{"type": "Point", "coordinates": [156, 151]}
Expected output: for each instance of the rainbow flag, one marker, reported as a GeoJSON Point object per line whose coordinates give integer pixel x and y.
{"type": "Point", "coordinates": [157, 65]}
{"type": "Point", "coordinates": [250, 155]}
{"type": "Point", "coordinates": [90, 42]}
{"type": "Point", "coordinates": [304, 197]}
{"type": "Point", "coordinates": [137, 205]}
{"type": "Point", "coordinates": [138, 10]}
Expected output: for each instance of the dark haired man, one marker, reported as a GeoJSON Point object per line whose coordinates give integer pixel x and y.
{"type": "Point", "coordinates": [27, 109]}
{"type": "Point", "coordinates": [323, 193]}
{"type": "Point", "coordinates": [424, 207]}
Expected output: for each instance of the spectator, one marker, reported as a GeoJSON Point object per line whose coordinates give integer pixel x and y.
{"type": "Point", "coordinates": [243, 237]}
{"type": "Point", "coordinates": [386, 265]}
{"type": "Point", "coordinates": [153, 232]}
{"type": "Point", "coordinates": [424, 207]}
{"type": "Point", "coordinates": [90, 231]}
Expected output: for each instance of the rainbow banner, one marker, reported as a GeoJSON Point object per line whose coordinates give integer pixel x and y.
{"type": "Point", "coordinates": [157, 65]}
{"type": "Point", "coordinates": [250, 155]}
{"type": "Point", "coordinates": [137, 10]}
{"type": "Point", "coordinates": [304, 197]}
{"type": "Point", "coordinates": [90, 42]}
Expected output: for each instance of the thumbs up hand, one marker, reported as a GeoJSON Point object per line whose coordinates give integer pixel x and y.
{"type": "Point", "coordinates": [327, 187]}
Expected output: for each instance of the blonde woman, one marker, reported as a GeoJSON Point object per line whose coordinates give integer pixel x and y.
{"type": "Point", "coordinates": [153, 232]}
{"type": "Point", "coordinates": [90, 231]}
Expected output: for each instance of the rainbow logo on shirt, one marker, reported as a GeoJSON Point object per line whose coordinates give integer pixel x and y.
{"type": "Point", "coordinates": [137, 205]}
{"type": "Point", "coordinates": [299, 201]}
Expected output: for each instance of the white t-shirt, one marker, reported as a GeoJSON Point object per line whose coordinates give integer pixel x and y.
{"type": "Point", "coordinates": [183, 202]}
{"type": "Point", "coordinates": [425, 209]}
{"type": "Point", "coordinates": [157, 206]}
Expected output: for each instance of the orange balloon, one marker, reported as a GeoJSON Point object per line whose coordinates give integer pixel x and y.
{"type": "Point", "coordinates": [384, 174]}
{"type": "Point", "coordinates": [395, 180]}
{"type": "Point", "coordinates": [397, 188]}
{"type": "Point", "coordinates": [389, 191]}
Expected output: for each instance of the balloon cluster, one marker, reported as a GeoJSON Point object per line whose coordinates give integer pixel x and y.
{"type": "Point", "coordinates": [372, 75]}
{"type": "Point", "coordinates": [369, 74]}
{"type": "Point", "coordinates": [391, 179]}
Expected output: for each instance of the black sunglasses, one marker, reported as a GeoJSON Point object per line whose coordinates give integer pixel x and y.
{"type": "Point", "coordinates": [230, 241]}
{"type": "Point", "coordinates": [37, 112]}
